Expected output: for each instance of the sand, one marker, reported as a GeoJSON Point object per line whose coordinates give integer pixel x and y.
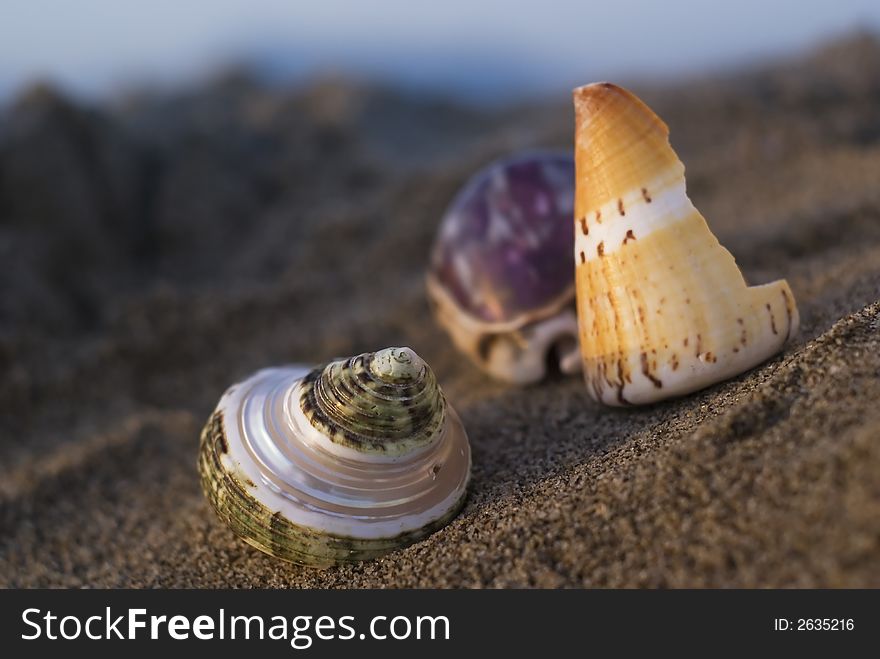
{"type": "Point", "coordinates": [160, 246]}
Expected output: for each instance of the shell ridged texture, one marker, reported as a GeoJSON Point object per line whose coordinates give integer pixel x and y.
{"type": "Point", "coordinates": [663, 308]}
{"type": "Point", "coordinates": [340, 463]}
{"type": "Point", "coordinates": [387, 404]}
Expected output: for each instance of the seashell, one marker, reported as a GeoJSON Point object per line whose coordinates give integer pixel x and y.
{"type": "Point", "coordinates": [663, 308]}
{"type": "Point", "coordinates": [500, 276]}
{"type": "Point", "coordinates": [339, 463]}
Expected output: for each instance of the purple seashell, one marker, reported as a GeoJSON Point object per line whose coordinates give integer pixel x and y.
{"type": "Point", "coordinates": [502, 269]}
{"type": "Point", "coordinates": [506, 241]}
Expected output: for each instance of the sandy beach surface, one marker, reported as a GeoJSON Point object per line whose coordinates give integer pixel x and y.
{"type": "Point", "coordinates": [160, 246]}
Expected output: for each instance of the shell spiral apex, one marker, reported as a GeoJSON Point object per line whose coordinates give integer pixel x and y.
{"type": "Point", "coordinates": [663, 309]}
{"type": "Point", "coordinates": [339, 463]}
{"type": "Point", "coordinates": [385, 403]}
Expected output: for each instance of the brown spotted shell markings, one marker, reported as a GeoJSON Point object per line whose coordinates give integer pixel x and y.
{"type": "Point", "coordinates": [663, 309]}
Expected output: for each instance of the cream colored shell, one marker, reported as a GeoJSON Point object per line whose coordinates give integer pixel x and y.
{"type": "Point", "coordinates": [663, 309]}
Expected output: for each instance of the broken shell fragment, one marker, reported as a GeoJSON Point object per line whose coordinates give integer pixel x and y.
{"type": "Point", "coordinates": [335, 464]}
{"type": "Point", "coordinates": [664, 310]}
{"type": "Point", "coordinates": [500, 277]}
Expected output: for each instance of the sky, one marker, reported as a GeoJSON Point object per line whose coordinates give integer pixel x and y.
{"type": "Point", "coordinates": [481, 50]}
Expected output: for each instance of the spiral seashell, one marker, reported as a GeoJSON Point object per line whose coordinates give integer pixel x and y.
{"type": "Point", "coordinates": [339, 463]}
{"type": "Point", "coordinates": [500, 277]}
{"type": "Point", "coordinates": [663, 308]}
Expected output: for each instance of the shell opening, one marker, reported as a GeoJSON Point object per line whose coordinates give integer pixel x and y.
{"type": "Point", "coordinates": [564, 356]}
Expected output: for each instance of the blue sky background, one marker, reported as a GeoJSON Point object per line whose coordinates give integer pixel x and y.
{"type": "Point", "coordinates": [483, 50]}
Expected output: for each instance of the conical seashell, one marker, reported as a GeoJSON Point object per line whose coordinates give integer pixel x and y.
{"type": "Point", "coordinates": [500, 277]}
{"type": "Point", "coordinates": [339, 463]}
{"type": "Point", "coordinates": [662, 306]}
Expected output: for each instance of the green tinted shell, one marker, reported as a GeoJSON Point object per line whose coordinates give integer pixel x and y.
{"type": "Point", "coordinates": [340, 463]}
